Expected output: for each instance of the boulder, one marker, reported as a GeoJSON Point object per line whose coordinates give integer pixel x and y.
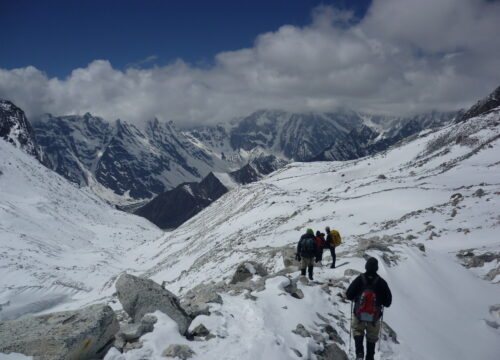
{"type": "Point", "coordinates": [200, 330]}
{"type": "Point", "coordinates": [301, 331]}
{"type": "Point", "coordinates": [140, 296]}
{"type": "Point", "coordinates": [387, 333]}
{"type": "Point", "coordinates": [196, 300]}
{"type": "Point", "coordinates": [246, 270]}
{"type": "Point", "coordinates": [178, 351]}
{"type": "Point", "coordinates": [332, 352]}
{"type": "Point", "coordinates": [293, 290]}
{"type": "Point", "coordinates": [81, 334]}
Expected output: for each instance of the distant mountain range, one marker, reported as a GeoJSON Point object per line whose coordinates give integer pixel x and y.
{"type": "Point", "coordinates": [126, 164]}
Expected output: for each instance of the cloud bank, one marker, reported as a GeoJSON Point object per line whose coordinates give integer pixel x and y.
{"type": "Point", "coordinates": [403, 57]}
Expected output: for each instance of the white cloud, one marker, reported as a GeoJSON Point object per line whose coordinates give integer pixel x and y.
{"type": "Point", "coordinates": [404, 56]}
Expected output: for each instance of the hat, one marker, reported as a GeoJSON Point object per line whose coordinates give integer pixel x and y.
{"type": "Point", "coordinates": [327, 229]}
{"type": "Point", "coordinates": [371, 265]}
{"type": "Point", "coordinates": [310, 231]}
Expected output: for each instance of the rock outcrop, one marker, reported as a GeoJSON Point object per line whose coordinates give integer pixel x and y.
{"type": "Point", "coordinates": [140, 296]}
{"type": "Point", "coordinates": [82, 334]}
{"type": "Point", "coordinates": [246, 270]}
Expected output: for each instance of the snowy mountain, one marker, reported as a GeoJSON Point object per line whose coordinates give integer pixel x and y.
{"type": "Point", "coordinates": [483, 106]}
{"type": "Point", "coordinates": [379, 133]}
{"type": "Point", "coordinates": [173, 207]}
{"type": "Point", "coordinates": [16, 129]}
{"type": "Point", "coordinates": [427, 208]}
{"type": "Point", "coordinates": [123, 163]}
{"type": "Point", "coordinates": [128, 161]}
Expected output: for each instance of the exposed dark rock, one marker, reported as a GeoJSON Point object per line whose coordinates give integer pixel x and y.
{"type": "Point", "coordinates": [170, 209]}
{"type": "Point", "coordinates": [387, 333]}
{"type": "Point", "coordinates": [332, 352]}
{"type": "Point", "coordinates": [246, 270]}
{"type": "Point", "coordinates": [301, 331]}
{"type": "Point", "coordinates": [17, 130]}
{"type": "Point", "coordinates": [479, 193]}
{"type": "Point", "coordinates": [140, 296]}
{"type": "Point", "coordinates": [196, 301]}
{"type": "Point", "coordinates": [200, 330]}
{"type": "Point", "coordinates": [482, 107]}
{"type": "Point", "coordinates": [82, 334]}
{"type": "Point", "coordinates": [293, 290]}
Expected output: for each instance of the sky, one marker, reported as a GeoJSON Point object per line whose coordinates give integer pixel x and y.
{"type": "Point", "coordinates": [203, 62]}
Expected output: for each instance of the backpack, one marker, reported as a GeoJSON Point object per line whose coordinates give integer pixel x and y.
{"type": "Point", "coordinates": [309, 247]}
{"type": "Point", "coordinates": [336, 240]}
{"type": "Point", "coordinates": [320, 242]}
{"type": "Point", "coordinates": [366, 307]}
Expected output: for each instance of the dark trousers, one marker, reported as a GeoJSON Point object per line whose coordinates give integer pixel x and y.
{"type": "Point", "coordinates": [334, 256]}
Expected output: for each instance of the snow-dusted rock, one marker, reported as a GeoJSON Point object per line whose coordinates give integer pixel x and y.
{"type": "Point", "coordinates": [200, 330]}
{"type": "Point", "coordinates": [301, 331]}
{"type": "Point", "coordinates": [246, 270]}
{"type": "Point", "coordinates": [178, 351]}
{"type": "Point", "coordinates": [81, 334]}
{"type": "Point", "coordinates": [140, 296]}
{"type": "Point", "coordinates": [293, 290]}
{"type": "Point", "coordinates": [332, 352]}
{"type": "Point", "coordinates": [196, 301]}
{"type": "Point", "coordinates": [130, 332]}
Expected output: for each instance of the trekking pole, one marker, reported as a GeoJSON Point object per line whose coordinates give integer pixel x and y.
{"type": "Point", "coordinates": [350, 329]}
{"type": "Point", "coordinates": [380, 329]}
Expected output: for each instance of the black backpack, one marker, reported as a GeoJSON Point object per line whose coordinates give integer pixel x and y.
{"type": "Point", "coordinates": [308, 247]}
{"type": "Point", "coordinates": [366, 306]}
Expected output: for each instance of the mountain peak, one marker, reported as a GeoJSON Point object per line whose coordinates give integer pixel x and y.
{"type": "Point", "coordinates": [483, 106]}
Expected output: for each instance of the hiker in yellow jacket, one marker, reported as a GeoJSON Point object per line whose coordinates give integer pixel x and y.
{"type": "Point", "coordinates": [333, 240]}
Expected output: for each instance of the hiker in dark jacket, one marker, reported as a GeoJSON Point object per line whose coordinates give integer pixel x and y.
{"type": "Point", "coordinates": [320, 244]}
{"type": "Point", "coordinates": [332, 241]}
{"type": "Point", "coordinates": [370, 280]}
{"type": "Point", "coordinates": [307, 253]}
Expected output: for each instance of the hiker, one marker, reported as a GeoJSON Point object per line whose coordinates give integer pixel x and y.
{"type": "Point", "coordinates": [307, 252]}
{"type": "Point", "coordinates": [320, 244]}
{"type": "Point", "coordinates": [333, 240]}
{"type": "Point", "coordinates": [370, 293]}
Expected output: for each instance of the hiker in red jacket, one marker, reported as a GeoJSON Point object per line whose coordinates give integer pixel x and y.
{"type": "Point", "coordinates": [320, 244]}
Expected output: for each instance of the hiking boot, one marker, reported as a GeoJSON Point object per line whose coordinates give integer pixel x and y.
{"type": "Point", "coordinates": [370, 350]}
{"type": "Point", "coordinates": [303, 272]}
{"type": "Point", "coordinates": [332, 266]}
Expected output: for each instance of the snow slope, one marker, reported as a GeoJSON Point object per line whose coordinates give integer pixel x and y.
{"type": "Point", "coordinates": [440, 309]}
{"type": "Point", "coordinates": [413, 207]}
{"type": "Point", "coordinates": [59, 245]}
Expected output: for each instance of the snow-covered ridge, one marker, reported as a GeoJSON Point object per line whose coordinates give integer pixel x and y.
{"type": "Point", "coordinates": [415, 207]}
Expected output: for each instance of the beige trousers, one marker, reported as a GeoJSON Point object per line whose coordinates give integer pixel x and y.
{"type": "Point", "coordinates": [372, 329]}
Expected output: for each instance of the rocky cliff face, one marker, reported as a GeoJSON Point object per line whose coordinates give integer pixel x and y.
{"type": "Point", "coordinates": [138, 163]}
{"type": "Point", "coordinates": [172, 208]}
{"type": "Point", "coordinates": [384, 132]}
{"type": "Point", "coordinates": [16, 129]}
{"type": "Point", "coordinates": [483, 106]}
{"type": "Point", "coordinates": [141, 162]}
